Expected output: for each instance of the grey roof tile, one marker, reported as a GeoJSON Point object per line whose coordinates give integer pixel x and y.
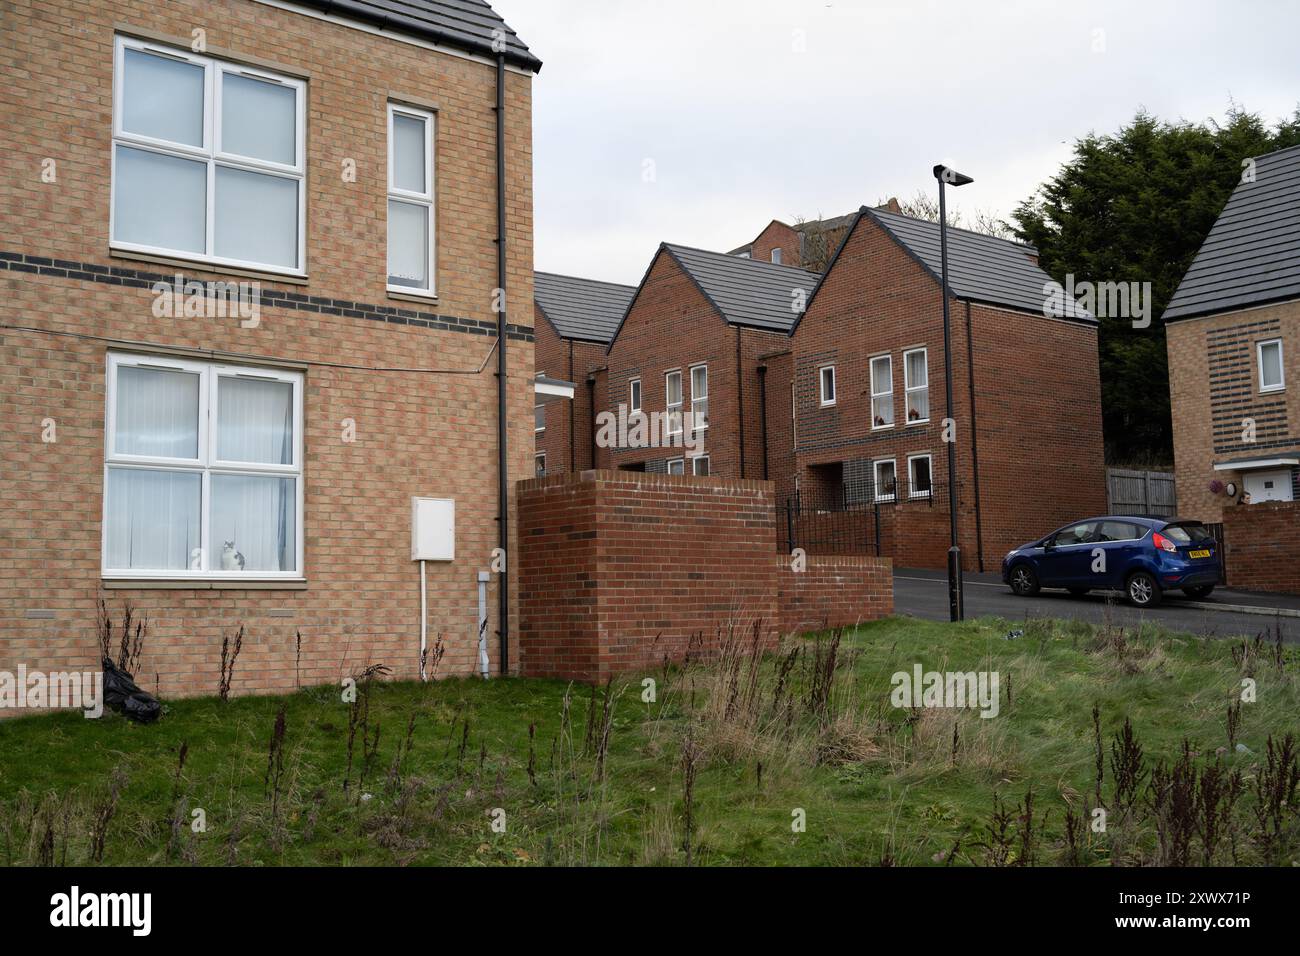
{"type": "Point", "coordinates": [1252, 254]}
{"type": "Point", "coordinates": [463, 24]}
{"type": "Point", "coordinates": [582, 309]}
{"type": "Point", "coordinates": [748, 292]}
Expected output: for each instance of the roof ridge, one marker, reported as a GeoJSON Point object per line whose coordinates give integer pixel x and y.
{"type": "Point", "coordinates": [970, 232]}
{"type": "Point", "coordinates": [566, 275]}
{"type": "Point", "coordinates": [739, 259]}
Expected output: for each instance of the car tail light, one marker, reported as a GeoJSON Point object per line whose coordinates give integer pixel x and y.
{"type": "Point", "coordinates": [1163, 543]}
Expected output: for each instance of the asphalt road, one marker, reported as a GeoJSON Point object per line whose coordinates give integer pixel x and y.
{"type": "Point", "coordinates": [924, 594]}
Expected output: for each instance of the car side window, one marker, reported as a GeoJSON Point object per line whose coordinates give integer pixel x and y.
{"type": "Point", "coordinates": [1078, 534]}
{"type": "Point", "coordinates": [1118, 531]}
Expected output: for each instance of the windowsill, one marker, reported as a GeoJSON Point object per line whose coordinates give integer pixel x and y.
{"type": "Point", "coordinates": [426, 298]}
{"type": "Point", "coordinates": [204, 584]}
{"type": "Point", "coordinates": [919, 421]}
{"type": "Point", "coordinates": [1275, 390]}
{"type": "Point", "coordinates": [882, 428]}
{"type": "Point", "coordinates": [292, 278]}
{"type": "Point", "coordinates": [828, 404]}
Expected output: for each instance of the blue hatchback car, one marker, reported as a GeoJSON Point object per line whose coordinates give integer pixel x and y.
{"type": "Point", "coordinates": [1143, 557]}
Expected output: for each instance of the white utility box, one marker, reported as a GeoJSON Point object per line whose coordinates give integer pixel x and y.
{"type": "Point", "coordinates": [433, 529]}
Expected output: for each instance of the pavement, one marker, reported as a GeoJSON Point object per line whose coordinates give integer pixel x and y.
{"type": "Point", "coordinates": [1225, 613]}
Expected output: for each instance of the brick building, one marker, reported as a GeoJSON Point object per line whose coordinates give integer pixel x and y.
{"type": "Point", "coordinates": [256, 465]}
{"type": "Point", "coordinates": [575, 320]}
{"type": "Point", "coordinates": [1233, 334]}
{"type": "Point", "coordinates": [869, 392]}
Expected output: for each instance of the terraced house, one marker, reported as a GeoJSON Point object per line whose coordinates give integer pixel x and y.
{"type": "Point", "coordinates": [1233, 334]}
{"type": "Point", "coordinates": [250, 268]}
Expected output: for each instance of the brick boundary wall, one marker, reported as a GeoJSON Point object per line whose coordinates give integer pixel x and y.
{"type": "Point", "coordinates": [620, 570]}
{"type": "Point", "coordinates": [1262, 552]}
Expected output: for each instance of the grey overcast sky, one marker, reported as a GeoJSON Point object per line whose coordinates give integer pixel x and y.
{"type": "Point", "coordinates": [751, 110]}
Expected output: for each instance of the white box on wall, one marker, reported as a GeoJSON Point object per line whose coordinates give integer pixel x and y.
{"type": "Point", "coordinates": [433, 529]}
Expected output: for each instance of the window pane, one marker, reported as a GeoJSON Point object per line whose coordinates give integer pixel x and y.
{"type": "Point", "coordinates": [673, 389]}
{"type": "Point", "coordinates": [156, 413]}
{"type": "Point", "coordinates": [699, 382]}
{"type": "Point", "coordinates": [152, 520]}
{"type": "Point", "coordinates": [255, 421]}
{"type": "Point", "coordinates": [408, 244]}
{"type": "Point", "coordinates": [409, 163]}
{"type": "Point", "coordinates": [676, 466]}
{"type": "Point", "coordinates": [918, 405]}
{"type": "Point", "coordinates": [701, 466]}
{"type": "Point", "coordinates": [917, 373]}
{"type": "Point", "coordinates": [539, 418]}
{"type": "Point", "coordinates": [885, 479]}
{"type": "Point", "coordinates": [162, 98]}
{"type": "Point", "coordinates": [1271, 361]}
{"type": "Point", "coordinates": [635, 397]}
{"type": "Point", "coordinates": [160, 200]}
{"type": "Point", "coordinates": [257, 217]}
{"type": "Point", "coordinates": [254, 523]}
{"type": "Point", "coordinates": [881, 379]}
{"type": "Point", "coordinates": [258, 118]}
{"type": "Point", "coordinates": [920, 476]}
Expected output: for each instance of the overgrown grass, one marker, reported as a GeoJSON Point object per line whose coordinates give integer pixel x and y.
{"type": "Point", "coordinates": [719, 769]}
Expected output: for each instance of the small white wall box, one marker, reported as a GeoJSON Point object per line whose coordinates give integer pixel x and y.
{"type": "Point", "coordinates": [433, 529]}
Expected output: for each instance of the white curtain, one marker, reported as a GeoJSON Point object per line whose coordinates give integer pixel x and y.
{"type": "Point", "coordinates": [918, 401]}
{"type": "Point", "coordinates": [157, 413]}
{"type": "Point", "coordinates": [256, 517]}
{"type": "Point", "coordinates": [255, 421]}
{"type": "Point", "coordinates": [153, 518]}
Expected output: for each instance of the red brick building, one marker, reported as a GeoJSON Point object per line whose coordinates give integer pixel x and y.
{"type": "Point", "coordinates": [222, 457]}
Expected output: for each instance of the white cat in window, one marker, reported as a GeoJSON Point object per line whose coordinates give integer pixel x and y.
{"type": "Point", "coordinates": [231, 560]}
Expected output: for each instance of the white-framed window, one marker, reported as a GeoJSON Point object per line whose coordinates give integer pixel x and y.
{"type": "Point", "coordinates": [411, 228]}
{"type": "Point", "coordinates": [1272, 376]}
{"type": "Point", "coordinates": [202, 470]}
{"type": "Point", "coordinates": [776, 256]}
{"type": "Point", "coordinates": [885, 477]}
{"type": "Point", "coordinates": [916, 385]}
{"type": "Point", "coordinates": [539, 462]}
{"type": "Point", "coordinates": [539, 418]}
{"type": "Point", "coordinates": [920, 483]}
{"type": "Point", "coordinates": [700, 397]}
{"type": "Point", "coordinates": [673, 401]}
{"type": "Point", "coordinates": [882, 392]}
{"type": "Point", "coordinates": [700, 466]}
{"type": "Point", "coordinates": [677, 466]}
{"type": "Point", "coordinates": [208, 159]}
{"type": "Point", "coordinates": [826, 375]}
{"type": "Point", "coordinates": [634, 396]}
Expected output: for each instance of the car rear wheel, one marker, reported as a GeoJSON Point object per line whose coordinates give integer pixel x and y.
{"type": "Point", "coordinates": [1143, 590]}
{"type": "Point", "coordinates": [1200, 593]}
{"type": "Point", "coordinates": [1024, 581]}
{"type": "Point", "coordinates": [1078, 592]}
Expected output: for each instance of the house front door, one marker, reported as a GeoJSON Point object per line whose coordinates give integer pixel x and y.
{"type": "Point", "coordinates": [1268, 486]}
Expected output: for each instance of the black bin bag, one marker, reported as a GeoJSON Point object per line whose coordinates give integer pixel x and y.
{"type": "Point", "coordinates": [122, 694]}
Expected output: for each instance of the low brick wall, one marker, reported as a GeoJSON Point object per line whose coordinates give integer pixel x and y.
{"type": "Point", "coordinates": [620, 570]}
{"type": "Point", "coordinates": [1263, 549]}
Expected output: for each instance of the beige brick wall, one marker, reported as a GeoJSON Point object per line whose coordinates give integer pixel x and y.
{"type": "Point", "coordinates": [1214, 388]}
{"type": "Point", "coordinates": [417, 434]}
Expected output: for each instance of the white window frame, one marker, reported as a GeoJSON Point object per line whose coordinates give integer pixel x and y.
{"type": "Point", "coordinates": [539, 459]}
{"type": "Point", "coordinates": [697, 400]}
{"type": "Point", "coordinates": [875, 479]}
{"type": "Point", "coordinates": [538, 430]}
{"type": "Point", "coordinates": [821, 383]}
{"type": "Point", "coordinates": [679, 464]}
{"type": "Point", "coordinates": [909, 389]}
{"type": "Point", "coordinates": [210, 152]}
{"type": "Point", "coordinates": [776, 256]}
{"type": "Point", "coordinates": [912, 491]}
{"type": "Point", "coordinates": [634, 396]}
{"type": "Point", "coordinates": [206, 464]}
{"type": "Point", "coordinates": [425, 198]}
{"type": "Point", "coordinates": [877, 394]}
{"type": "Point", "coordinates": [671, 407]}
{"type": "Point", "coordinates": [695, 466]}
{"type": "Point", "coordinates": [1281, 365]}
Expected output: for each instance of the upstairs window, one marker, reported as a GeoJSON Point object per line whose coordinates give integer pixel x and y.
{"type": "Point", "coordinates": [539, 418]}
{"type": "Point", "coordinates": [208, 159]}
{"type": "Point", "coordinates": [776, 256]}
{"type": "Point", "coordinates": [916, 382]}
{"type": "Point", "coordinates": [634, 396]}
{"type": "Point", "coordinates": [1272, 377]}
{"type": "Point", "coordinates": [827, 376]}
{"type": "Point", "coordinates": [410, 200]}
{"type": "Point", "coordinates": [700, 397]}
{"type": "Point", "coordinates": [673, 401]}
{"type": "Point", "coordinates": [882, 392]}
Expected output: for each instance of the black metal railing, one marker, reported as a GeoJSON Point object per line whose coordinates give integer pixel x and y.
{"type": "Point", "coordinates": [846, 520]}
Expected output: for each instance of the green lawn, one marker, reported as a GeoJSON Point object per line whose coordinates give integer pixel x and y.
{"type": "Point", "coordinates": [758, 751]}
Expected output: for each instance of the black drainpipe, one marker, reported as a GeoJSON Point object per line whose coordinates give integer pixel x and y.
{"type": "Point", "coordinates": [974, 439]}
{"type": "Point", "coordinates": [762, 410]}
{"type": "Point", "coordinates": [503, 514]}
{"type": "Point", "coordinates": [740, 405]}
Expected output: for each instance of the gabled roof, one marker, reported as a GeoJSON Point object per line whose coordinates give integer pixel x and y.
{"type": "Point", "coordinates": [744, 292]}
{"type": "Point", "coordinates": [1252, 255]}
{"type": "Point", "coordinates": [464, 24]}
{"type": "Point", "coordinates": [582, 309]}
{"type": "Point", "coordinates": [981, 268]}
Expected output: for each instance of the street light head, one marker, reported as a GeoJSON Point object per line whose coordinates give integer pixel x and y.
{"type": "Point", "coordinates": [950, 177]}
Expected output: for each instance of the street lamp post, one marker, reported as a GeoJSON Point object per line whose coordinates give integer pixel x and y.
{"type": "Point", "coordinates": [956, 590]}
